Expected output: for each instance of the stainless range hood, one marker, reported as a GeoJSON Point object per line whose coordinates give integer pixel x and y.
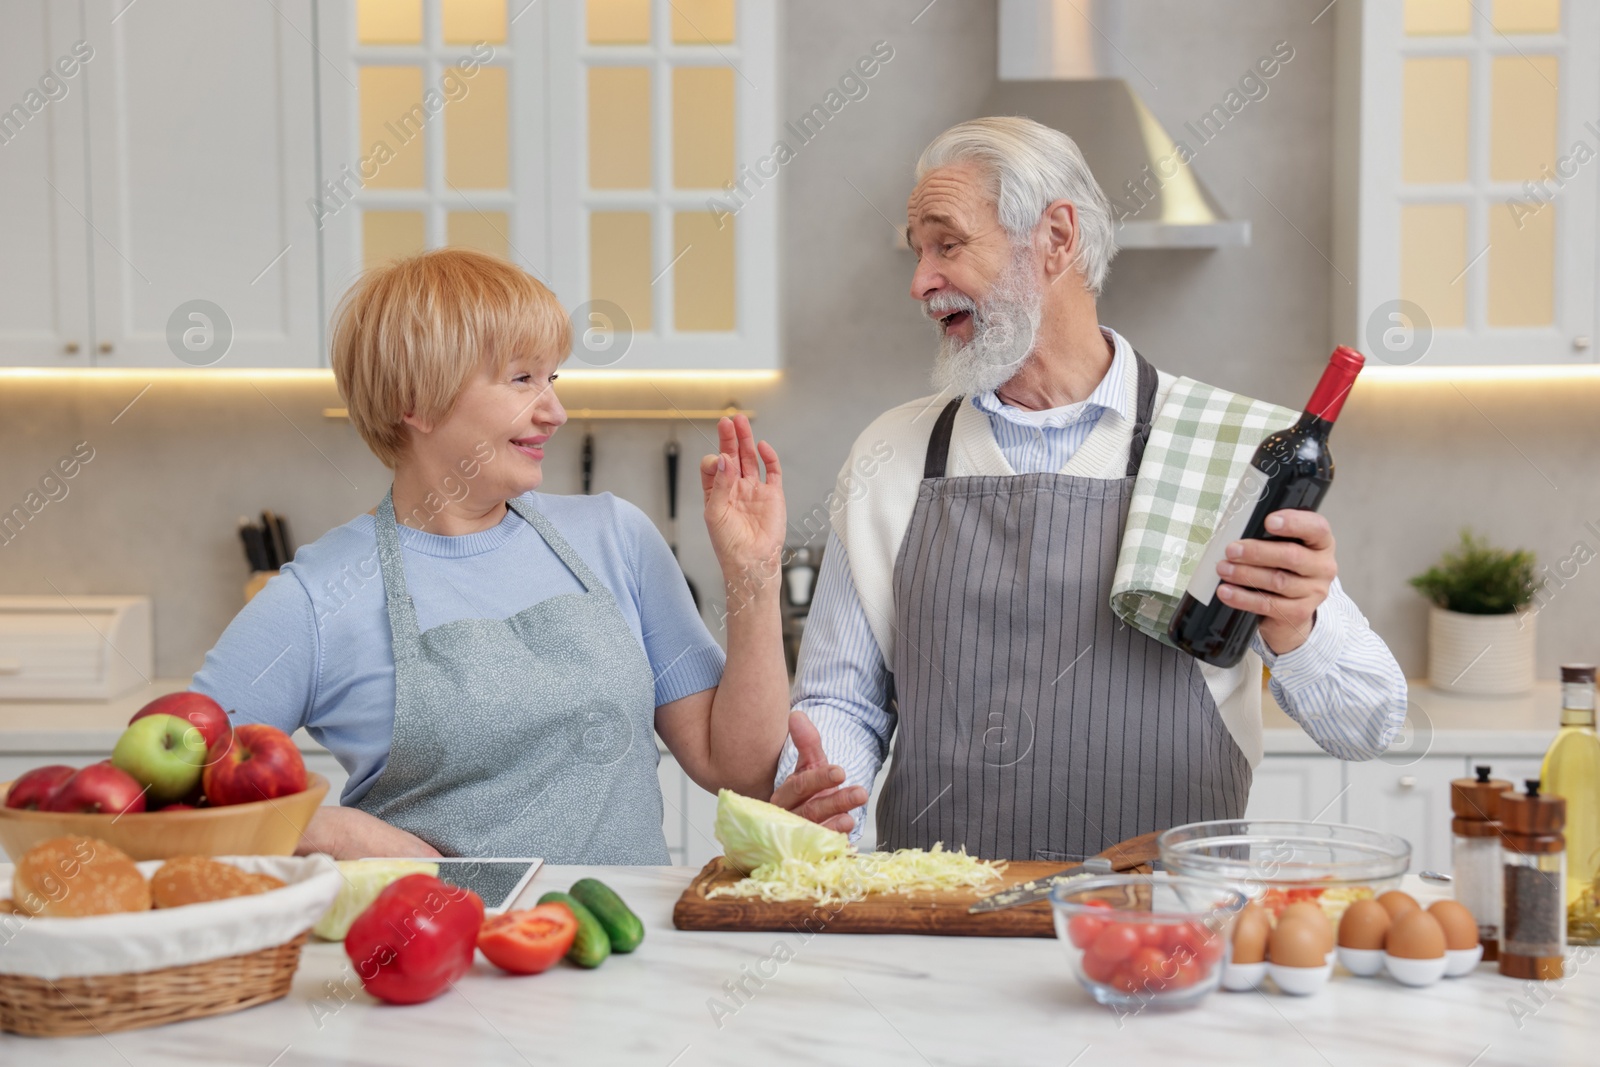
{"type": "Point", "coordinates": [1063, 63]}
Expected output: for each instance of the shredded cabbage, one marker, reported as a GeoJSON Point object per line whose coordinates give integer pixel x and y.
{"type": "Point", "coordinates": [786, 857]}
{"type": "Point", "coordinates": [840, 879]}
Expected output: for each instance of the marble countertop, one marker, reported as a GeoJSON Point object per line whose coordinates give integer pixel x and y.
{"type": "Point", "coordinates": [1457, 726]}
{"type": "Point", "coordinates": [848, 999]}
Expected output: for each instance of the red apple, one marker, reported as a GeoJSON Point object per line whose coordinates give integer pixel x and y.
{"type": "Point", "coordinates": [33, 789]}
{"type": "Point", "coordinates": [258, 762]}
{"type": "Point", "coordinates": [203, 713]}
{"type": "Point", "coordinates": [99, 788]}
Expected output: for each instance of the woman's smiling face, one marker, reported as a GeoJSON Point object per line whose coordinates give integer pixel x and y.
{"type": "Point", "coordinates": [503, 419]}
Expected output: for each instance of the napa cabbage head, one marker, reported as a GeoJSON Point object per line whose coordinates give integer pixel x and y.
{"type": "Point", "coordinates": [754, 833]}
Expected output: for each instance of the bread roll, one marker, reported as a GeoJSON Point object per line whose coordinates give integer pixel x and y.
{"type": "Point", "coordinates": [70, 877]}
{"type": "Point", "coordinates": [196, 879]}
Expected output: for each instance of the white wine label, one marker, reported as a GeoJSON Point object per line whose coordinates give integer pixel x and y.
{"type": "Point", "coordinates": [1230, 527]}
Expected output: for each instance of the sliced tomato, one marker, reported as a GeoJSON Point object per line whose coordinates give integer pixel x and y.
{"type": "Point", "coordinates": [530, 940]}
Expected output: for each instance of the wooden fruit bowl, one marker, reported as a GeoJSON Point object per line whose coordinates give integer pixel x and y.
{"type": "Point", "coordinates": [259, 828]}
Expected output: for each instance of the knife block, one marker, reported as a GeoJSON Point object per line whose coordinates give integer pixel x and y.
{"type": "Point", "coordinates": [258, 579]}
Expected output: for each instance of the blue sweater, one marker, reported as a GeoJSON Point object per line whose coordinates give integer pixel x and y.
{"type": "Point", "coordinates": [313, 649]}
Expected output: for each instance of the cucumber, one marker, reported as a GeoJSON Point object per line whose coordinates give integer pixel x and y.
{"type": "Point", "coordinates": [621, 924]}
{"type": "Point", "coordinates": [592, 945]}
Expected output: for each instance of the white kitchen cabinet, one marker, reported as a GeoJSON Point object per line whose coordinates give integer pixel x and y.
{"type": "Point", "coordinates": [1297, 787]}
{"type": "Point", "coordinates": [700, 811]}
{"type": "Point", "coordinates": [1465, 201]}
{"type": "Point", "coordinates": [202, 154]}
{"type": "Point", "coordinates": [174, 166]}
{"type": "Point", "coordinates": [595, 145]}
{"type": "Point", "coordinates": [1412, 801]}
{"type": "Point", "coordinates": [674, 824]}
{"type": "Point", "coordinates": [44, 272]}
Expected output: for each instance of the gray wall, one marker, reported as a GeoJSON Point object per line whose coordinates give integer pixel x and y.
{"type": "Point", "coordinates": [154, 511]}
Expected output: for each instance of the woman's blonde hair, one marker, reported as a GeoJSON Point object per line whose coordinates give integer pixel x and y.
{"type": "Point", "coordinates": [408, 336]}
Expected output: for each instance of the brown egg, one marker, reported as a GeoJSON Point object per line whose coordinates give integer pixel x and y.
{"type": "Point", "coordinates": [1297, 943]}
{"type": "Point", "coordinates": [1364, 925]}
{"type": "Point", "coordinates": [1310, 913]}
{"type": "Point", "coordinates": [1250, 933]}
{"type": "Point", "coordinates": [1460, 928]}
{"type": "Point", "coordinates": [1415, 935]}
{"type": "Point", "coordinates": [1396, 902]}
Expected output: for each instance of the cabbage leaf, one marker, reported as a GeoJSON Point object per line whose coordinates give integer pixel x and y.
{"type": "Point", "coordinates": [754, 833]}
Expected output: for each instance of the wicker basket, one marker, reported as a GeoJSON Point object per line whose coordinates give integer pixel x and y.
{"type": "Point", "coordinates": [125, 970]}
{"type": "Point", "coordinates": [68, 1007]}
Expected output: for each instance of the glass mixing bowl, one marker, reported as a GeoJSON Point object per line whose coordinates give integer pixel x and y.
{"type": "Point", "coordinates": [1278, 862]}
{"type": "Point", "coordinates": [1138, 940]}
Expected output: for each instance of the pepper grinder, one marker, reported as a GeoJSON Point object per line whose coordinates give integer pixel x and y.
{"type": "Point", "coordinates": [1475, 852]}
{"type": "Point", "coordinates": [1533, 932]}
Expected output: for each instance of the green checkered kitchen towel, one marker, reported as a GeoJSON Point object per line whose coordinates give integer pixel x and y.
{"type": "Point", "coordinates": [1200, 445]}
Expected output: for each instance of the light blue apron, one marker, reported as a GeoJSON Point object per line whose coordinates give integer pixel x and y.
{"type": "Point", "coordinates": [527, 736]}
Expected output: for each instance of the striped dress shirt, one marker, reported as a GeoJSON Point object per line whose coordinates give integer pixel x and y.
{"type": "Point", "coordinates": [1341, 685]}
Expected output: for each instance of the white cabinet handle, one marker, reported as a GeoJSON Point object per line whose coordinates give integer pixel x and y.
{"type": "Point", "coordinates": [1408, 781]}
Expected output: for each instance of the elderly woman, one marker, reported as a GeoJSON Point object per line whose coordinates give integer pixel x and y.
{"type": "Point", "coordinates": [490, 663]}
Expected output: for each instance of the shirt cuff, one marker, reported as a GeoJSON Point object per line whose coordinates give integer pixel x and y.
{"type": "Point", "coordinates": [699, 668]}
{"type": "Point", "coordinates": [1314, 657]}
{"type": "Point", "coordinates": [788, 759]}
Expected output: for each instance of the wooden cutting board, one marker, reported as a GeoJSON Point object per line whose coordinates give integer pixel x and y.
{"type": "Point", "coordinates": [943, 913]}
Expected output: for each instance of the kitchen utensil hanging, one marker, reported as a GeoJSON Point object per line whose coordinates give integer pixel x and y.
{"type": "Point", "coordinates": [672, 514]}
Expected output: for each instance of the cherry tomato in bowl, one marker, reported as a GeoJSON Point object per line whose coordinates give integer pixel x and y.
{"type": "Point", "coordinates": [529, 940]}
{"type": "Point", "coordinates": [1137, 941]}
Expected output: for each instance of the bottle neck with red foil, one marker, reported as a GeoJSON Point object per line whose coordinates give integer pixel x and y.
{"type": "Point", "coordinates": [1328, 397]}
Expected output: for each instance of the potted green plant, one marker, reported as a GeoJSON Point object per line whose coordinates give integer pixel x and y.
{"type": "Point", "coordinates": [1480, 637]}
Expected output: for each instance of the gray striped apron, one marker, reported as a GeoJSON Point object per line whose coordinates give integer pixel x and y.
{"type": "Point", "coordinates": [1031, 722]}
{"type": "Point", "coordinates": [527, 736]}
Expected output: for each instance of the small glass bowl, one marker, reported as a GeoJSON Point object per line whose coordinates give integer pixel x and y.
{"type": "Point", "coordinates": [1278, 862]}
{"type": "Point", "coordinates": [1140, 941]}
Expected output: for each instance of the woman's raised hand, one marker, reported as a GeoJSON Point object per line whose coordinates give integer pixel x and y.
{"type": "Point", "coordinates": [745, 515]}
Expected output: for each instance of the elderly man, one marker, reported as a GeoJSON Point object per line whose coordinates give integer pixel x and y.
{"type": "Point", "coordinates": [962, 608]}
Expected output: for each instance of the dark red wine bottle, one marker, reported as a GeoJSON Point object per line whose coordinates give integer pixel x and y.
{"type": "Point", "coordinates": [1291, 469]}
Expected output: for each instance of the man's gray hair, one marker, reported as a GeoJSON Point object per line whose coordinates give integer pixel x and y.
{"type": "Point", "coordinates": [1029, 166]}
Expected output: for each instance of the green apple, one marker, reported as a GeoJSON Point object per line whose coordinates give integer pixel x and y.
{"type": "Point", "coordinates": [164, 753]}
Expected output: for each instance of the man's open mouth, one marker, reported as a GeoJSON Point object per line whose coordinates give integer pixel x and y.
{"type": "Point", "coordinates": [954, 319]}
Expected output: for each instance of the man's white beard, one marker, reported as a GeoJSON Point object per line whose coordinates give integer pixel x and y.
{"type": "Point", "coordinates": [1004, 328]}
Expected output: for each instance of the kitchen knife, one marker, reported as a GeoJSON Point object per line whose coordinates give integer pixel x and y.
{"type": "Point", "coordinates": [1040, 888]}
{"type": "Point", "coordinates": [269, 530]}
{"type": "Point", "coordinates": [281, 525]}
{"type": "Point", "coordinates": [255, 550]}
{"type": "Point", "coordinates": [672, 516]}
{"type": "Point", "coordinates": [1122, 856]}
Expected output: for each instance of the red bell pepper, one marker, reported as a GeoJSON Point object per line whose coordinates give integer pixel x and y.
{"type": "Point", "coordinates": [418, 936]}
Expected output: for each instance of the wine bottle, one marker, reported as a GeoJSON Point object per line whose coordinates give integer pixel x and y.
{"type": "Point", "coordinates": [1290, 469]}
{"type": "Point", "coordinates": [1571, 769]}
